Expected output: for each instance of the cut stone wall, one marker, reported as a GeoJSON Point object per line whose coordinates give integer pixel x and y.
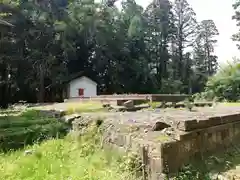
{"type": "Point", "coordinates": [176, 153]}
{"type": "Point", "coordinates": [186, 135]}
{"type": "Point", "coordinates": [167, 154]}
{"type": "Point", "coordinates": [138, 97]}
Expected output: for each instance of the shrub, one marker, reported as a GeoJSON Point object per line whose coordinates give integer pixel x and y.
{"type": "Point", "coordinates": [225, 85]}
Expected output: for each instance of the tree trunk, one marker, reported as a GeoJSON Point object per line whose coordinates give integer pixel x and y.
{"type": "Point", "coordinates": [208, 61]}
{"type": "Point", "coordinates": [4, 87]}
{"type": "Point", "coordinates": [42, 88]}
{"type": "Point", "coordinates": [180, 60]}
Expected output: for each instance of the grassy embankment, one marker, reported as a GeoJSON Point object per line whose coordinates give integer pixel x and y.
{"type": "Point", "coordinates": [27, 128]}
{"type": "Point", "coordinates": [55, 158]}
{"type": "Point", "coordinates": [69, 158]}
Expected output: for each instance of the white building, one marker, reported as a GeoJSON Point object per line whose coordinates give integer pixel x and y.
{"type": "Point", "coordinates": [81, 86]}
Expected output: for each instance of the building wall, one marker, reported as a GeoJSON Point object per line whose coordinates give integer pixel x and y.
{"type": "Point", "coordinates": [89, 86]}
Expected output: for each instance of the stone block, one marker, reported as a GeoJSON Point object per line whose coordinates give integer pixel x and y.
{"type": "Point", "coordinates": [190, 125]}
{"type": "Point", "coordinates": [106, 105]}
{"type": "Point", "coordinates": [70, 118]}
{"type": "Point", "coordinates": [129, 104]}
{"type": "Point", "coordinates": [155, 167]}
{"type": "Point", "coordinates": [158, 126]}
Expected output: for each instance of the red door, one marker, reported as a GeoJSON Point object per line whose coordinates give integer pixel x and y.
{"type": "Point", "coordinates": [80, 92]}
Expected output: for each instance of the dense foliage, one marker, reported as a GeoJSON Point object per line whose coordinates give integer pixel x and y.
{"type": "Point", "coordinates": [28, 128]}
{"type": "Point", "coordinates": [225, 85]}
{"type": "Point", "coordinates": [161, 48]}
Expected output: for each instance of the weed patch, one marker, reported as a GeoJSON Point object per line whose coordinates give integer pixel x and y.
{"type": "Point", "coordinates": [74, 157]}
{"type": "Point", "coordinates": [28, 128]}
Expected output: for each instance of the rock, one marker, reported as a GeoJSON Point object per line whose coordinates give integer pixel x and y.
{"type": "Point", "coordinates": [163, 105]}
{"type": "Point", "coordinates": [218, 177]}
{"type": "Point", "coordinates": [159, 106]}
{"type": "Point", "coordinates": [157, 110]}
{"type": "Point", "coordinates": [167, 131]}
{"type": "Point", "coordinates": [113, 110]}
{"type": "Point", "coordinates": [28, 152]}
{"type": "Point", "coordinates": [70, 118]}
{"type": "Point", "coordinates": [106, 105]}
{"type": "Point", "coordinates": [60, 113]}
{"type": "Point", "coordinates": [132, 120]}
{"type": "Point", "coordinates": [82, 122]}
{"type": "Point", "coordinates": [158, 126]}
{"type": "Point", "coordinates": [128, 104]}
{"type": "Point", "coordinates": [164, 130]}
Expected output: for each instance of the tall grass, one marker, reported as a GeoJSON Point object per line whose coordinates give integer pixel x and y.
{"type": "Point", "coordinates": [74, 157]}
{"type": "Point", "coordinates": [28, 128]}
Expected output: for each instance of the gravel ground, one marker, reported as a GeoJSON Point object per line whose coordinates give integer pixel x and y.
{"type": "Point", "coordinates": [148, 118]}
{"type": "Point", "coordinates": [168, 115]}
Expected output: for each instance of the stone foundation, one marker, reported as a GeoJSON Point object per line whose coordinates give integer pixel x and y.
{"type": "Point", "coordinates": [172, 138]}
{"type": "Point", "coordinates": [166, 154]}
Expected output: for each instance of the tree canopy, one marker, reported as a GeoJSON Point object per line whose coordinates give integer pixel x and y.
{"type": "Point", "coordinates": [159, 49]}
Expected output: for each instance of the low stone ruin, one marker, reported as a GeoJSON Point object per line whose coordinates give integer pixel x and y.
{"type": "Point", "coordinates": [170, 138]}
{"type": "Point", "coordinates": [125, 106]}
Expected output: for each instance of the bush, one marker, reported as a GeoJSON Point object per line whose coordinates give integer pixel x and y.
{"type": "Point", "coordinates": [225, 85]}
{"type": "Point", "coordinates": [206, 96]}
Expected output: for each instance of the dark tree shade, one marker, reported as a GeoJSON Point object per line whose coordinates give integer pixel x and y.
{"type": "Point", "coordinates": [129, 50]}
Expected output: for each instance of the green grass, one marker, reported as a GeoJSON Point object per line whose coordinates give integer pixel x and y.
{"type": "Point", "coordinates": [27, 128]}
{"type": "Point", "coordinates": [231, 104]}
{"type": "Point", "coordinates": [84, 107]}
{"type": "Point", "coordinates": [62, 159]}
{"type": "Point", "coordinates": [154, 105]}
{"type": "Point", "coordinates": [74, 107]}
